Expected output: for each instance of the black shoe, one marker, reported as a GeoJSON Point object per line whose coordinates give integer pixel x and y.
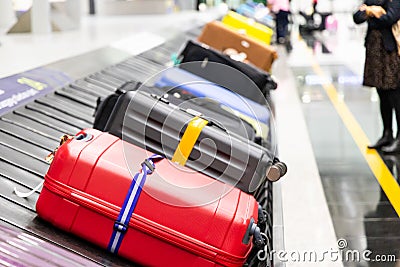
{"type": "Point", "coordinates": [385, 140]}
{"type": "Point", "coordinates": [393, 148]}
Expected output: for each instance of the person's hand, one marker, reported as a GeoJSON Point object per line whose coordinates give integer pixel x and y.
{"type": "Point", "coordinates": [374, 11]}
{"type": "Point", "coordinates": [377, 11]}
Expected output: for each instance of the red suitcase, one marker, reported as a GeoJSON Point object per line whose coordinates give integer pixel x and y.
{"type": "Point", "coordinates": [181, 217]}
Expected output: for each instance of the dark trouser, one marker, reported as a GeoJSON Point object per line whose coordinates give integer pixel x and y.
{"type": "Point", "coordinates": [389, 101]}
{"type": "Point", "coordinates": [282, 22]}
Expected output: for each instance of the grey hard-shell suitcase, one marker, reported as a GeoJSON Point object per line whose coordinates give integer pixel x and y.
{"type": "Point", "coordinates": [209, 108]}
{"type": "Point", "coordinates": [155, 124]}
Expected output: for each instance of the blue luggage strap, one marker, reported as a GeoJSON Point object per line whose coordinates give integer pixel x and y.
{"type": "Point", "coordinates": [121, 225]}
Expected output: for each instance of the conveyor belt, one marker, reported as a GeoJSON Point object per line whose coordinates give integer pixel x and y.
{"type": "Point", "coordinates": [158, 54]}
{"type": "Point", "coordinates": [19, 176]}
{"type": "Point", "coordinates": [25, 118]}
{"type": "Point", "coordinates": [30, 132]}
{"type": "Point", "coordinates": [69, 108]}
{"type": "Point", "coordinates": [22, 160]}
{"type": "Point", "coordinates": [18, 144]}
{"type": "Point", "coordinates": [78, 96]}
{"type": "Point", "coordinates": [89, 88]}
{"type": "Point", "coordinates": [25, 218]}
{"type": "Point", "coordinates": [26, 132]}
{"type": "Point", "coordinates": [69, 118]}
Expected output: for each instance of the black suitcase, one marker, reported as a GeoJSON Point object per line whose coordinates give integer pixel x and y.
{"type": "Point", "coordinates": [157, 125]}
{"type": "Point", "coordinates": [199, 57]}
{"type": "Point", "coordinates": [209, 109]}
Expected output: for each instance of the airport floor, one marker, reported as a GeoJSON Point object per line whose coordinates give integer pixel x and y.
{"type": "Point", "coordinates": [342, 117]}
{"type": "Point", "coordinates": [336, 197]}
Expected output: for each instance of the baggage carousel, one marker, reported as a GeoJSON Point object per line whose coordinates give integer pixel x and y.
{"type": "Point", "coordinates": [62, 99]}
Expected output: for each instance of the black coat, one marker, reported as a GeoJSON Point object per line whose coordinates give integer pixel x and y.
{"type": "Point", "coordinates": [384, 23]}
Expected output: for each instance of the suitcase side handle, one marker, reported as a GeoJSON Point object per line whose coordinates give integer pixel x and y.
{"type": "Point", "coordinates": [188, 140]}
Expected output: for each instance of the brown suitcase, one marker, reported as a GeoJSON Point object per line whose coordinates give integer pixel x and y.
{"type": "Point", "coordinates": [221, 36]}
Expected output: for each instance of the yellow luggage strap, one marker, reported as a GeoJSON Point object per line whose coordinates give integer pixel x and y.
{"type": "Point", "coordinates": [188, 140]}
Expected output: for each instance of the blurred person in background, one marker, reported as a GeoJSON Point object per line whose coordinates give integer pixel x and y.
{"type": "Point", "coordinates": [382, 65]}
{"type": "Point", "coordinates": [281, 9]}
{"type": "Point", "coordinates": [314, 5]}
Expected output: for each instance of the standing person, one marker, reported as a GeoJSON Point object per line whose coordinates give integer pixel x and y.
{"type": "Point", "coordinates": [281, 9]}
{"type": "Point", "coordinates": [314, 5]}
{"type": "Point", "coordinates": [382, 65]}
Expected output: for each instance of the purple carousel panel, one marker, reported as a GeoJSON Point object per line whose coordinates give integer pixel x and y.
{"type": "Point", "coordinates": [21, 249]}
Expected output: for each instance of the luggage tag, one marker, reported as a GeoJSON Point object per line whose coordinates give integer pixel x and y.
{"type": "Point", "coordinates": [204, 62]}
{"type": "Point", "coordinates": [49, 158]}
{"type": "Point", "coordinates": [176, 60]}
{"type": "Point", "coordinates": [66, 137]}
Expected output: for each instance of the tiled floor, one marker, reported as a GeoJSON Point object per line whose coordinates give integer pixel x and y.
{"type": "Point", "coordinates": [361, 212]}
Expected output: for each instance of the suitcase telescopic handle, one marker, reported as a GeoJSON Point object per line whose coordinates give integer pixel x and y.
{"type": "Point", "coordinates": [192, 112]}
